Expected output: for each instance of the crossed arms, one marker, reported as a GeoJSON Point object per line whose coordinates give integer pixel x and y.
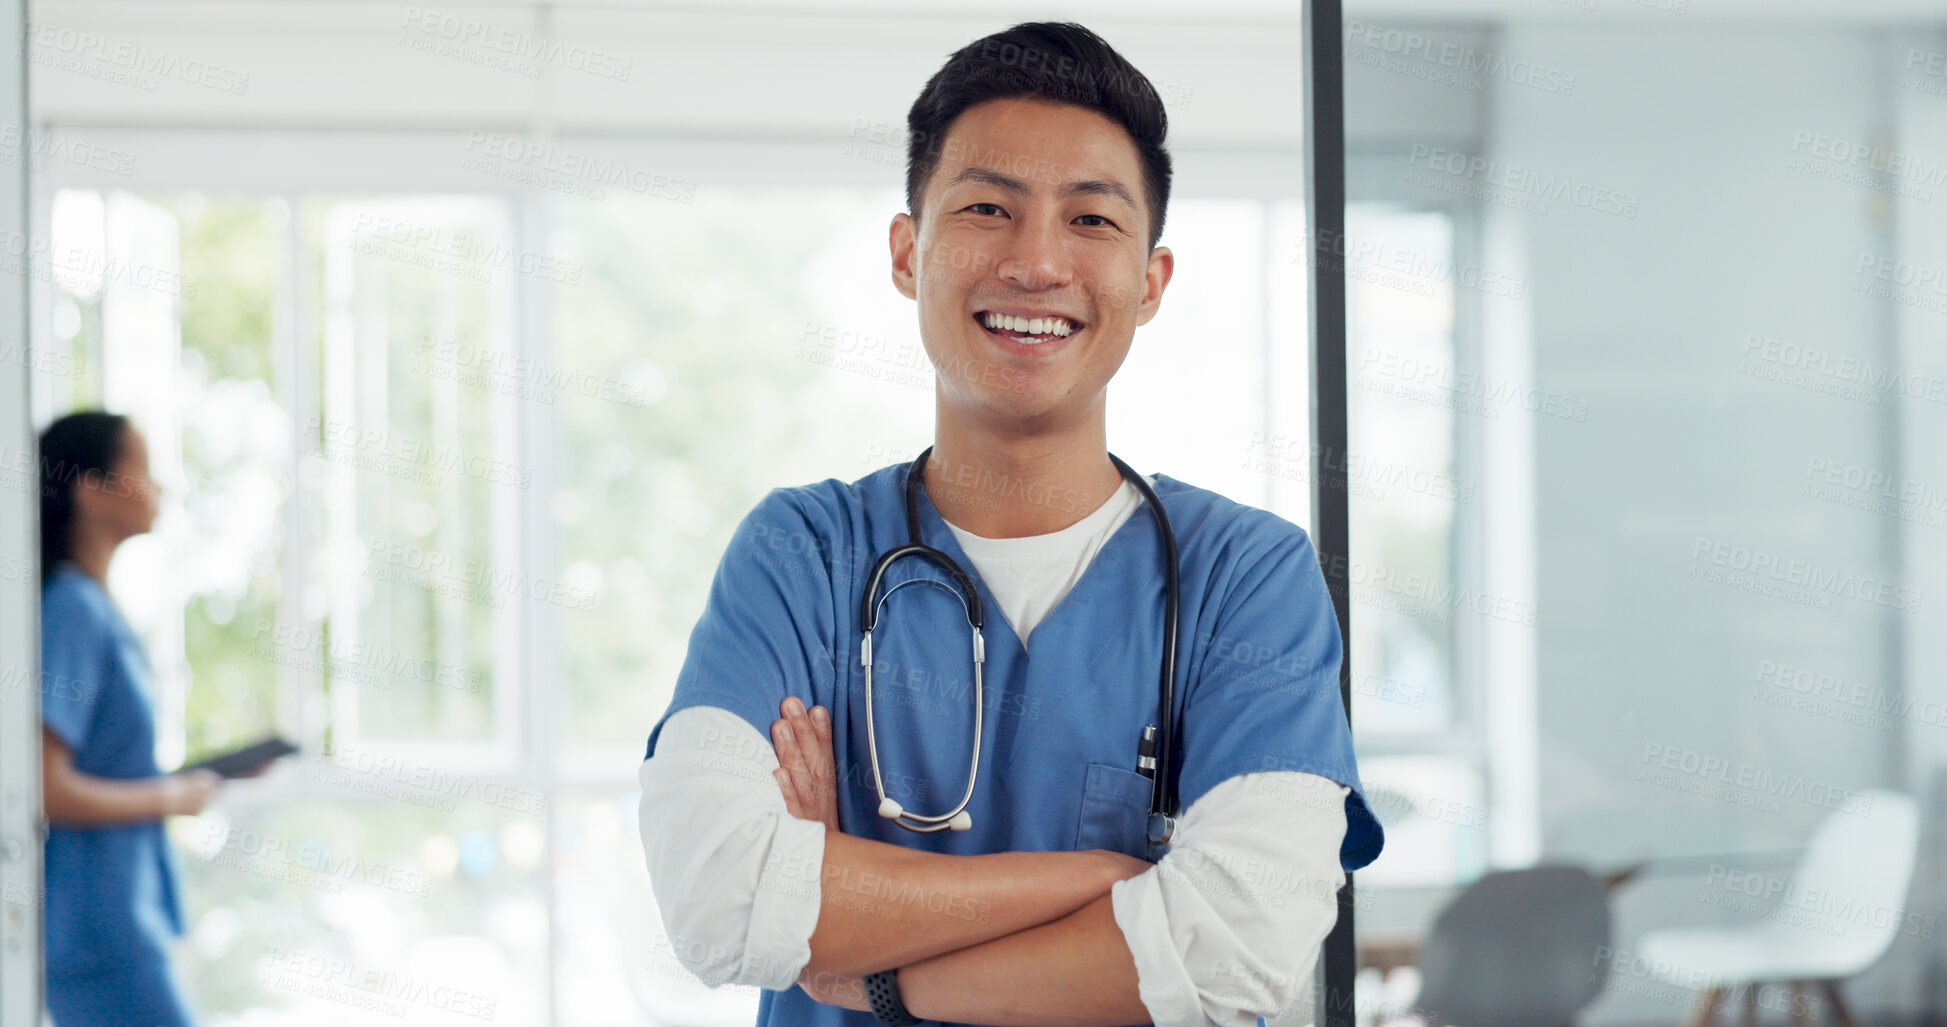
{"type": "Point", "coordinates": [1007, 938]}
{"type": "Point", "coordinates": [1042, 945]}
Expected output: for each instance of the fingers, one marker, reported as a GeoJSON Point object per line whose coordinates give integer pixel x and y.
{"type": "Point", "coordinates": [822, 767]}
{"type": "Point", "coordinates": [795, 777]}
{"type": "Point", "coordinates": [821, 724]}
{"type": "Point", "coordinates": [792, 805]}
{"type": "Point", "coordinates": [815, 754]}
{"type": "Point", "coordinates": [804, 752]}
{"type": "Point", "coordinates": [790, 760]}
{"type": "Point", "coordinates": [801, 728]}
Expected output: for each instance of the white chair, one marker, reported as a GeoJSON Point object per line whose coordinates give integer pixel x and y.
{"type": "Point", "coordinates": [1835, 918]}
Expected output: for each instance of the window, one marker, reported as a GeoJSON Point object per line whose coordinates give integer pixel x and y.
{"type": "Point", "coordinates": [414, 462]}
{"type": "Point", "coordinates": [1415, 718]}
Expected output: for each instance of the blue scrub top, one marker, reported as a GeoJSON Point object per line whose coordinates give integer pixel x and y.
{"type": "Point", "coordinates": [111, 891]}
{"type": "Point", "coordinates": [1258, 656]}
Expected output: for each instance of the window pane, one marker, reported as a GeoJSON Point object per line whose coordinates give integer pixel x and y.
{"type": "Point", "coordinates": [69, 376]}
{"type": "Point", "coordinates": [1190, 397]}
{"type": "Point", "coordinates": [196, 316]}
{"type": "Point", "coordinates": [1287, 441]}
{"type": "Point", "coordinates": [1402, 480]}
{"type": "Point", "coordinates": [416, 469]}
{"type": "Point", "coordinates": [1423, 783]}
{"type": "Point", "coordinates": [235, 455]}
{"type": "Point", "coordinates": [749, 339]}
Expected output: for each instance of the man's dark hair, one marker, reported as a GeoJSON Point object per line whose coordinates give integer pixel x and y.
{"type": "Point", "coordinates": [1058, 62]}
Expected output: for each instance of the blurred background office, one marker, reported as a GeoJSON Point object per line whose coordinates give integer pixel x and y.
{"type": "Point", "coordinates": [1665, 280]}
{"type": "Point", "coordinates": [463, 335]}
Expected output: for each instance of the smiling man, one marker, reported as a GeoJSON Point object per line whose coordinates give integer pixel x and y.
{"type": "Point", "coordinates": [796, 822]}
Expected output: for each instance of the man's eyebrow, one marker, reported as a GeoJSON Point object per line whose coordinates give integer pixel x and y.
{"type": "Point", "coordinates": [1085, 187]}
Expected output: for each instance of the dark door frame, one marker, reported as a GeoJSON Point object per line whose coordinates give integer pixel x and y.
{"type": "Point", "coordinates": [1325, 137]}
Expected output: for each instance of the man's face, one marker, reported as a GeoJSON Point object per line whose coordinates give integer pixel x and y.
{"type": "Point", "coordinates": [1035, 211]}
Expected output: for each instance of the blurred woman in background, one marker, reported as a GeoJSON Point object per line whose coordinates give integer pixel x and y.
{"type": "Point", "coordinates": [112, 907]}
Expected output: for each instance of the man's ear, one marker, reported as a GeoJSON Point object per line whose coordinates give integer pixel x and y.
{"type": "Point", "coordinates": [1162, 263]}
{"type": "Point", "coordinates": [904, 239]}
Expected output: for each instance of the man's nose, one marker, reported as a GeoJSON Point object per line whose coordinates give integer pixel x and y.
{"type": "Point", "coordinates": [1036, 256]}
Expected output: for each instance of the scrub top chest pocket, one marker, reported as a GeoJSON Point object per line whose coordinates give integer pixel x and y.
{"type": "Point", "coordinates": [1115, 811]}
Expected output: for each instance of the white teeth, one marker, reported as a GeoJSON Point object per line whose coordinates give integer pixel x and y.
{"type": "Point", "coordinates": [1051, 326]}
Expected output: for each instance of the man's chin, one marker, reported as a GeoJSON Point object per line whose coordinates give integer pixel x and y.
{"type": "Point", "coordinates": [1029, 408]}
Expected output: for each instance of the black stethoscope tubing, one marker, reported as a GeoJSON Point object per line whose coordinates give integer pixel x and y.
{"type": "Point", "coordinates": [1154, 750]}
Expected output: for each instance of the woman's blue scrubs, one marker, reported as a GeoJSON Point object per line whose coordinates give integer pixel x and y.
{"type": "Point", "coordinates": [1257, 673]}
{"type": "Point", "coordinates": [111, 891]}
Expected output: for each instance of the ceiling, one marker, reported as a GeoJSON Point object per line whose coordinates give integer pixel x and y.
{"type": "Point", "coordinates": [1639, 12]}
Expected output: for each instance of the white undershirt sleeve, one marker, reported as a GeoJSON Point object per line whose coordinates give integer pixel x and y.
{"type": "Point", "coordinates": [1228, 926]}
{"type": "Point", "coordinates": [1225, 929]}
{"type": "Point", "coordinates": [735, 874]}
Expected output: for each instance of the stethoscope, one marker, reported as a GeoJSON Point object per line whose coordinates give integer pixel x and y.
{"type": "Point", "coordinates": [1152, 752]}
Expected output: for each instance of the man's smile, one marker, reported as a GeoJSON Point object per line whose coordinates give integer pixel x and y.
{"type": "Point", "coordinates": [1028, 332]}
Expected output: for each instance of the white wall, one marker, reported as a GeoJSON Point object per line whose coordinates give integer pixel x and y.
{"type": "Point", "coordinates": [1648, 319]}
{"type": "Point", "coordinates": [1645, 318]}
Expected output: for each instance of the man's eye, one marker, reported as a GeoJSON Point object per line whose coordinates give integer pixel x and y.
{"type": "Point", "coordinates": [1105, 222]}
{"type": "Point", "coordinates": [976, 207]}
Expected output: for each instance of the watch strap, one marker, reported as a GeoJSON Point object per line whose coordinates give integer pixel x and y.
{"type": "Point", "coordinates": [882, 990]}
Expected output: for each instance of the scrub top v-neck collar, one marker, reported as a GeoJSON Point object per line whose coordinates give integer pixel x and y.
{"type": "Point", "coordinates": [938, 526]}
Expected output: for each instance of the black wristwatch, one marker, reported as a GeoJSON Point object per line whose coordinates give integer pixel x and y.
{"type": "Point", "coordinates": [882, 990]}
